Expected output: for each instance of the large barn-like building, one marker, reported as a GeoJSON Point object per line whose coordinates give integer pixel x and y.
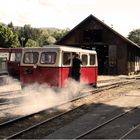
{"type": "Point", "coordinates": [116, 54]}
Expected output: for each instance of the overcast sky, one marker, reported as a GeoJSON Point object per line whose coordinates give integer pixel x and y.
{"type": "Point", "coordinates": [123, 14]}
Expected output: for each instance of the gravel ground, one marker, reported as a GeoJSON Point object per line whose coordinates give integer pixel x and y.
{"type": "Point", "coordinates": [102, 106]}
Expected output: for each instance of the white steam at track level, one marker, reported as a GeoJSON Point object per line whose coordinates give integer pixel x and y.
{"type": "Point", "coordinates": [38, 97]}
{"type": "Point", "coordinates": [41, 96]}
{"type": "Point", "coordinates": [9, 84]}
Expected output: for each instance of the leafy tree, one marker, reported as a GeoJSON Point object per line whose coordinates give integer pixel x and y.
{"type": "Point", "coordinates": [11, 26]}
{"type": "Point", "coordinates": [43, 38]}
{"type": "Point", "coordinates": [8, 38]}
{"type": "Point", "coordinates": [24, 34]}
{"type": "Point", "coordinates": [31, 43]}
{"type": "Point", "coordinates": [135, 36]}
{"type": "Point", "coordinates": [11, 36]}
{"type": "Point", "coordinates": [35, 34]}
{"type": "Point", "coordinates": [50, 40]}
{"type": "Point", "coordinates": [60, 33]}
{"type": "Point", "coordinates": [51, 35]}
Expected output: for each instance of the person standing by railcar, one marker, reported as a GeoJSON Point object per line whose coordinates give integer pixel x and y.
{"type": "Point", "coordinates": [76, 65]}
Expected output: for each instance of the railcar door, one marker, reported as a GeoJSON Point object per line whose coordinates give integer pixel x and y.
{"type": "Point", "coordinates": [48, 70]}
{"type": "Point", "coordinates": [28, 67]}
{"type": "Point", "coordinates": [14, 63]}
{"type": "Point", "coordinates": [88, 69]}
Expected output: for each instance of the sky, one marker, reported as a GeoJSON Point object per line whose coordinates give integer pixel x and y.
{"type": "Point", "coordinates": [124, 15]}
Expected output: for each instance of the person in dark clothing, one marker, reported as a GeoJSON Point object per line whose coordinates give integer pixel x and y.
{"type": "Point", "coordinates": [76, 65]}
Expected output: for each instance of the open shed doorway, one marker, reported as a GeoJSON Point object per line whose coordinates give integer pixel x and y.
{"type": "Point", "coordinates": [103, 59]}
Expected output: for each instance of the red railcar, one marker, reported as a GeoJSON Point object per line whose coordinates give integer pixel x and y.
{"type": "Point", "coordinates": [52, 64]}
{"type": "Point", "coordinates": [9, 61]}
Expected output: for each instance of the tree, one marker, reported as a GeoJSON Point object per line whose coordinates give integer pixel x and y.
{"type": "Point", "coordinates": [43, 37]}
{"type": "Point", "coordinates": [135, 36]}
{"type": "Point", "coordinates": [50, 40]}
{"type": "Point", "coordinates": [31, 43]}
{"type": "Point", "coordinates": [60, 33]}
{"type": "Point", "coordinates": [24, 34]}
{"type": "Point", "coordinates": [8, 38]}
{"type": "Point", "coordinates": [51, 35]}
{"type": "Point", "coordinates": [11, 26]}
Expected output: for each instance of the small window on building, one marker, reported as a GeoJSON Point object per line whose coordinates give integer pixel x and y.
{"type": "Point", "coordinates": [15, 57]}
{"type": "Point", "coordinates": [66, 58]}
{"type": "Point", "coordinates": [48, 58]}
{"type": "Point", "coordinates": [84, 59]}
{"type": "Point", "coordinates": [92, 59]}
{"type": "Point", "coordinates": [30, 57]}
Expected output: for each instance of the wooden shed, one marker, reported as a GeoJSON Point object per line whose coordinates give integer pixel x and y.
{"type": "Point", "coordinates": [116, 54]}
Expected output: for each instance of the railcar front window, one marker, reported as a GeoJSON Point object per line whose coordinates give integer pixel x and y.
{"type": "Point", "coordinates": [92, 59]}
{"type": "Point", "coordinates": [48, 58]}
{"type": "Point", "coordinates": [30, 58]}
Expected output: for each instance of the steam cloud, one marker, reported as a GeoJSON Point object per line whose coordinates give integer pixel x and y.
{"type": "Point", "coordinates": [38, 97]}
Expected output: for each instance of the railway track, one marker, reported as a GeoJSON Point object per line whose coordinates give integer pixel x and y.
{"type": "Point", "coordinates": [14, 126]}
{"type": "Point", "coordinates": [9, 97]}
{"type": "Point", "coordinates": [114, 128]}
{"type": "Point", "coordinates": [7, 108]}
{"type": "Point", "coordinates": [5, 93]}
{"type": "Point", "coordinates": [5, 102]}
{"type": "Point", "coordinates": [133, 132]}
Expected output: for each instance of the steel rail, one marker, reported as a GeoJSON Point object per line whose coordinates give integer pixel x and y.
{"type": "Point", "coordinates": [130, 131]}
{"type": "Point", "coordinates": [7, 108]}
{"type": "Point", "coordinates": [40, 123]}
{"type": "Point", "coordinates": [5, 93]}
{"type": "Point", "coordinates": [105, 123]}
{"type": "Point", "coordinates": [5, 103]}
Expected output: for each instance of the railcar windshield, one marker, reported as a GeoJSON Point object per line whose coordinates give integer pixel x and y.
{"type": "Point", "coordinates": [15, 57]}
{"type": "Point", "coordinates": [30, 57]}
{"type": "Point", "coordinates": [48, 58]}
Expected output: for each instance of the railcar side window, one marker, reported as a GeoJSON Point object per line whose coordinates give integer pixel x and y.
{"type": "Point", "coordinates": [66, 58]}
{"type": "Point", "coordinates": [48, 58]}
{"type": "Point", "coordinates": [15, 57]}
{"type": "Point", "coordinates": [30, 57]}
{"type": "Point", "coordinates": [92, 59]}
{"type": "Point", "coordinates": [84, 59]}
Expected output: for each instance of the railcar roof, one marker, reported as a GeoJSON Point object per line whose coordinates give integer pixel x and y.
{"type": "Point", "coordinates": [60, 47]}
